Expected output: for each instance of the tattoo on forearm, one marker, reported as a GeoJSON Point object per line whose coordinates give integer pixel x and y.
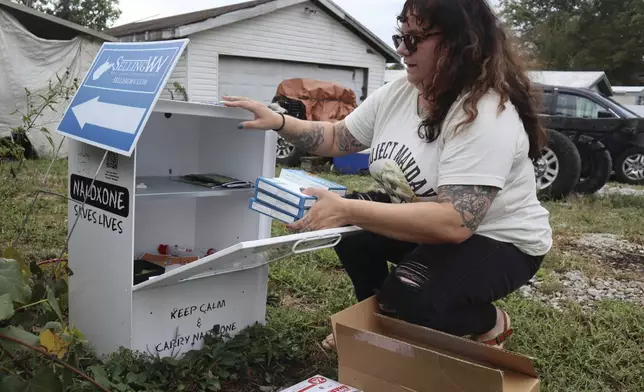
{"type": "Point", "coordinates": [344, 140]}
{"type": "Point", "coordinates": [309, 140]}
{"type": "Point", "coordinates": [471, 201]}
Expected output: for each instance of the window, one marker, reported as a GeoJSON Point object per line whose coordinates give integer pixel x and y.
{"type": "Point", "coordinates": [546, 102]}
{"type": "Point", "coordinates": [576, 106]}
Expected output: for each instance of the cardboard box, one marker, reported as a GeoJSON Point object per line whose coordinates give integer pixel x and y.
{"type": "Point", "coordinates": [381, 354]}
{"type": "Point", "coordinates": [320, 384]}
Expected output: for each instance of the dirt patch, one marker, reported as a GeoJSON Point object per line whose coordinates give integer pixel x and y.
{"type": "Point", "coordinates": [610, 243]}
{"type": "Point", "coordinates": [599, 255]}
{"type": "Point", "coordinates": [289, 301]}
{"type": "Point", "coordinates": [575, 286]}
{"type": "Point", "coordinates": [602, 267]}
{"type": "Point", "coordinates": [612, 251]}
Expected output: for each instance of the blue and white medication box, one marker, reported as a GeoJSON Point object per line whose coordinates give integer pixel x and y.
{"type": "Point", "coordinates": [282, 197]}
{"type": "Point", "coordinates": [280, 205]}
{"type": "Point", "coordinates": [285, 191]}
{"type": "Point", "coordinates": [308, 180]}
{"type": "Point", "coordinates": [268, 210]}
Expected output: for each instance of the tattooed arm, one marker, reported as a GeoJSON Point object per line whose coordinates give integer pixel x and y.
{"type": "Point", "coordinates": [320, 138]}
{"type": "Point", "coordinates": [470, 201]}
{"type": "Point", "coordinates": [315, 137]}
{"type": "Point", "coordinates": [455, 216]}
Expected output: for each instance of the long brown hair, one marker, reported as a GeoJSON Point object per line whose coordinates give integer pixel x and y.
{"type": "Point", "coordinates": [474, 55]}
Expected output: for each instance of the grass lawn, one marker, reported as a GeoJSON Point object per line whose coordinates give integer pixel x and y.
{"type": "Point", "coordinates": [602, 350]}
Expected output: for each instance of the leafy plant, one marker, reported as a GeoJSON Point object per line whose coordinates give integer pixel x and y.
{"type": "Point", "coordinates": [55, 356]}
{"type": "Point", "coordinates": [575, 35]}
{"type": "Point", "coordinates": [178, 88]}
{"type": "Point", "coordinates": [30, 299]}
{"type": "Point", "coordinates": [36, 105]}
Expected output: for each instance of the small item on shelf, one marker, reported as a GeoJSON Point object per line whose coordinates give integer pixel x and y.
{"type": "Point", "coordinates": [141, 186]}
{"type": "Point", "coordinates": [183, 251]}
{"type": "Point", "coordinates": [166, 260]}
{"type": "Point", "coordinates": [214, 180]}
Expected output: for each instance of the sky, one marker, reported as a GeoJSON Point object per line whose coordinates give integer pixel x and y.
{"type": "Point", "coordinates": [379, 16]}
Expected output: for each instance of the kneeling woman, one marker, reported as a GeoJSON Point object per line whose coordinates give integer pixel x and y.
{"type": "Point", "coordinates": [452, 146]}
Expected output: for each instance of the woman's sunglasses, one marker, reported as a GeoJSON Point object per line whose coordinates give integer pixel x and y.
{"type": "Point", "coordinates": [411, 41]}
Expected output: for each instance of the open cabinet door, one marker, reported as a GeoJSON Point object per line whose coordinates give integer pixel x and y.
{"type": "Point", "coordinates": [222, 293]}
{"type": "Point", "coordinates": [250, 254]}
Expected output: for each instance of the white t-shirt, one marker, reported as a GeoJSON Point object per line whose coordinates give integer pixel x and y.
{"type": "Point", "coordinates": [492, 150]}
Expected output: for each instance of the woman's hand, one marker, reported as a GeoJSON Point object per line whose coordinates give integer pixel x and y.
{"type": "Point", "coordinates": [329, 212]}
{"type": "Point", "coordinates": [265, 118]}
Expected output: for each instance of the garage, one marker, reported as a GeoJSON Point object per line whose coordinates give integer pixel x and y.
{"type": "Point", "coordinates": [247, 49]}
{"type": "Point", "coordinates": [258, 78]}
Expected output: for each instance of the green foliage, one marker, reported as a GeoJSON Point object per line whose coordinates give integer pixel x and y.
{"type": "Point", "coordinates": [574, 350]}
{"type": "Point", "coordinates": [28, 302]}
{"type": "Point", "coordinates": [95, 14]}
{"type": "Point", "coordinates": [6, 307]}
{"type": "Point", "coordinates": [581, 351]}
{"type": "Point", "coordinates": [257, 354]}
{"type": "Point", "coordinates": [178, 88]}
{"type": "Point", "coordinates": [60, 90]}
{"type": "Point", "coordinates": [593, 35]}
{"type": "Point", "coordinates": [12, 282]}
{"type": "Point", "coordinates": [44, 380]}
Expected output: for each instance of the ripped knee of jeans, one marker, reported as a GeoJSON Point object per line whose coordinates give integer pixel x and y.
{"type": "Point", "coordinates": [412, 274]}
{"type": "Point", "coordinates": [401, 294]}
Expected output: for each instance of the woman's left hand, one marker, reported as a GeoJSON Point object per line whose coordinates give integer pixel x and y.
{"type": "Point", "coordinates": [329, 211]}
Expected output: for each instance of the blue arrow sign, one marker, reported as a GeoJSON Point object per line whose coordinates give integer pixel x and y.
{"type": "Point", "coordinates": [116, 98]}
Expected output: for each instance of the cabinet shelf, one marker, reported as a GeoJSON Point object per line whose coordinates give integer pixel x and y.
{"type": "Point", "coordinates": [167, 187]}
{"type": "Point", "coordinates": [201, 109]}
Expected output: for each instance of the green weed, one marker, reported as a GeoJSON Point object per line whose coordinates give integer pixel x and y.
{"type": "Point", "coordinates": [573, 350]}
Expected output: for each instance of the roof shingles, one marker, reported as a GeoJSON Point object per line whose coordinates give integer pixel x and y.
{"type": "Point", "coordinates": [172, 23]}
{"type": "Point", "coordinates": [180, 20]}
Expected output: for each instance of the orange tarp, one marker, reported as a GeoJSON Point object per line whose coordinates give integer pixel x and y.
{"type": "Point", "coordinates": [324, 101]}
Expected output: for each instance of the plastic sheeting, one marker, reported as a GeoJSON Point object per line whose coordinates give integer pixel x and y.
{"type": "Point", "coordinates": [27, 61]}
{"type": "Point", "coordinates": [324, 101]}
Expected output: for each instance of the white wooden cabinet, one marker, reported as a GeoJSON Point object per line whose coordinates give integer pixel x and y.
{"type": "Point", "coordinates": [226, 291]}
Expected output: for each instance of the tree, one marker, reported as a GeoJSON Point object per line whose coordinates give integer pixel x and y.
{"type": "Point", "coordinates": [396, 66]}
{"type": "Point", "coordinates": [582, 35]}
{"type": "Point", "coordinates": [95, 14]}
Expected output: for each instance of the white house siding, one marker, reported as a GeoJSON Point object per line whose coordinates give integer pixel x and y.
{"type": "Point", "coordinates": [258, 78]}
{"type": "Point", "coordinates": [288, 34]}
{"type": "Point", "coordinates": [629, 99]}
{"type": "Point", "coordinates": [202, 74]}
{"type": "Point", "coordinates": [180, 75]}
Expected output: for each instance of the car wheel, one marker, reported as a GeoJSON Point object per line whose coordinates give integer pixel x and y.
{"type": "Point", "coordinates": [557, 171]}
{"type": "Point", "coordinates": [596, 165]}
{"type": "Point", "coordinates": [287, 154]}
{"type": "Point", "coordinates": [629, 167]}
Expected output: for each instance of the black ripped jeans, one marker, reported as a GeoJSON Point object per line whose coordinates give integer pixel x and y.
{"type": "Point", "coordinates": [449, 288]}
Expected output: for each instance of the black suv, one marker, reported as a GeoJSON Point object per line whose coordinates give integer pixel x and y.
{"type": "Point", "coordinates": [591, 136]}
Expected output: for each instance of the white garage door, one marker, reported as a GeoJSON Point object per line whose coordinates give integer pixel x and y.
{"type": "Point", "coordinates": [258, 78]}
